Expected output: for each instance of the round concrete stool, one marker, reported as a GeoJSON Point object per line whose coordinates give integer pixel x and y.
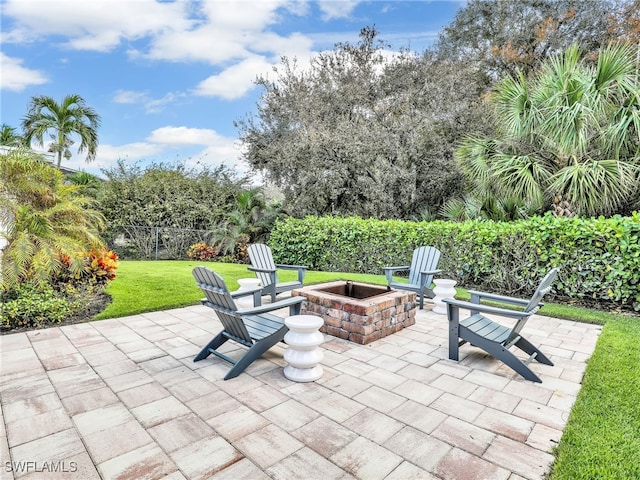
{"type": "Point", "coordinates": [443, 289]}
{"type": "Point", "coordinates": [303, 355]}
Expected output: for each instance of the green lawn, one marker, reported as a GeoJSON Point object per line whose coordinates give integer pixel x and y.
{"type": "Point", "coordinates": [146, 286]}
{"type": "Point", "coordinates": [602, 437]}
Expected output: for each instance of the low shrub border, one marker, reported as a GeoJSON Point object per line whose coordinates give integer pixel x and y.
{"type": "Point", "coordinates": [599, 257]}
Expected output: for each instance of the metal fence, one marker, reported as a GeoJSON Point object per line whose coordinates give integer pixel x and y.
{"type": "Point", "coordinates": [138, 242]}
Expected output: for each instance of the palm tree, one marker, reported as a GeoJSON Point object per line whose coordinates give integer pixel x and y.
{"type": "Point", "coordinates": [61, 121]}
{"type": "Point", "coordinates": [44, 221]}
{"type": "Point", "coordinates": [249, 222]}
{"type": "Point", "coordinates": [9, 137]}
{"type": "Point", "coordinates": [88, 185]}
{"type": "Point", "coordinates": [569, 134]}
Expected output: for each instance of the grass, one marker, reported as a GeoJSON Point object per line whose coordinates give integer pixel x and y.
{"type": "Point", "coordinates": [602, 436]}
{"type": "Point", "coordinates": [146, 286]}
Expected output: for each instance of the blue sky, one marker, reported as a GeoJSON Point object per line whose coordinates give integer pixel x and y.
{"type": "Point", "coordinates": [169, 77]}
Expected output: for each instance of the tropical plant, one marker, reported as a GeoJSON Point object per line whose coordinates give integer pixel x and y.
{"type": "Point", "coordinates": [249, 222]}
{"type": "Point", "coordinates": [71, 117]}
{"type": "Point", "coordinates": [43, 221]}
{"type": "Point", "coordinates": [9, 136]}
{"type": "Point", "coordinates": [89, 185]}
{"type": "Point", "coordinates": [569, 134]}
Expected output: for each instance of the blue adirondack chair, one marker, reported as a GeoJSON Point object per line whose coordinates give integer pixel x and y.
{"type": "Point", "coordinates": [421, 272]}
{"type": "Point", "coordinates": [267, 271]}
{"type": "Point", "coordinates": [495, 338]}
{"type": "Point", "coordinates": [254, 328]}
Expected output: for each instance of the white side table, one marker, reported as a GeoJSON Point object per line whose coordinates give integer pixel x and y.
{"type": "Point", "coordinates": [303, 355]}
{"type": "Point", "coordinates": [247, 284]}
{"type": "Point", "coordinates": [443, 289]}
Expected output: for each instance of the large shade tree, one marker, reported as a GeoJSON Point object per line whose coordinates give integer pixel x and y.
{"type": "Point", "coordinates": [62, 122]}
{"type": "Point", "coordinates": [505, 36]}
{"type": "Point", "coordinates": [569, 134]}
{"type": "Point", "coordinates": [363, 132]}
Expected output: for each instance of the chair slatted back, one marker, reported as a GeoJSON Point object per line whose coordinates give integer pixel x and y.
{"type": "Point", "coordinates": [535, 303]}
{"type": "Point", "coordinates": [260, 256]}
{"type": "Point", "coordinates": [219, 298]}
{"type": "Point", "coordinates": [424, 258]}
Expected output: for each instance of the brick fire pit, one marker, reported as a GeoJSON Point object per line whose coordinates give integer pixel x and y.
{"type": "Point", "coordinates": [359, 312]}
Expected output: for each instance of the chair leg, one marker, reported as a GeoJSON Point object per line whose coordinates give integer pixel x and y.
{"type": "Point", "coordinates": [212, 345]}
{"type": "Point", "coordinates": [454, 331]}
{"type": "Point", "coordinates": [498, 351]}
{"type": "Point", "coordinates": [255, 352]}
{"type": "Point", "coordinates": [527, 347]}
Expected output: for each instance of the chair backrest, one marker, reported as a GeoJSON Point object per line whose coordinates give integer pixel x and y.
{"type": "Point", "coordinates": [219, 298]}
{"type": "Point", "coordinates": [535, 303]}
{"type": "Point", "coordinates": [260, 256]}
{"type": "Point", "coordinates": [424, 258]}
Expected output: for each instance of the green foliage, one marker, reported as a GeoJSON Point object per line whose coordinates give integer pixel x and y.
{"type": "Point", "coordinates": [31, 306]}
{"type": "Point", "coordinates": [43, 220]}
{"type": "Point", "coordinates": [568, 133]}
{"type": "Point", "coordinates": [166, 207]}
{"type": "Point", "coordinates": [147, 286]}
{"type": "Point", "coordinates": [507, 36]}
{"type": "Point", "coordinates": [162, 195]}
{"type": "Point", "coordinates": [61, 121]}
{"type": "Point", "coordinates": [249, 222]}
{"type": "Point", "coordinates": [362, 133]}
{"type": "Point", "coordinates": [602, 437]}
{"type": "Point", "coordinates": [598, 257]}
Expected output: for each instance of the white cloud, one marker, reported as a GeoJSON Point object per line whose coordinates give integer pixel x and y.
{"type": "Point", "coordinates": [235, 81]}
{"type": "Point", "coordinates": [333, 9]}
{"type": "Point", "coordinates": [129, 96]}
{"type": "Point", "coordinates": [15, 77]}
{"type": "Point", "coordinates": [186, 136]}
{"type": "Point", "coordinates": [92, 25]}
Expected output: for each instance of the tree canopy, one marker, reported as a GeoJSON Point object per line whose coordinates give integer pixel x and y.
{"type": "Point", "coordinates": [360, 132]}
{"type": "Point", "coordinates": [506, 37]}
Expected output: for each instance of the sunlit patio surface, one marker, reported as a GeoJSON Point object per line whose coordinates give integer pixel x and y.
{"type": "Point", "coordinates": [123, 399]}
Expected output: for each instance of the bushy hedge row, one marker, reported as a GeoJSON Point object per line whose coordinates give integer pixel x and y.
{"type": "Point", "coordinates": [599, 257]}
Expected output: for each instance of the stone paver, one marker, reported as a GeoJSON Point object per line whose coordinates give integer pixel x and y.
{"type": "Point", "coordinates": [122, 398]}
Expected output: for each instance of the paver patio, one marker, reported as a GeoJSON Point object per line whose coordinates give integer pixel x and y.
{"type": "Point", "coordinates": [122, 399]}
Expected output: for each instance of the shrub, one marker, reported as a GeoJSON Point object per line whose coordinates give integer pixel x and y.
{"type": "Point", "coordinates": [98, 268]}
{"type": "Point", "coordinates": [31, 306]}
{"type": "Point", "coordinates": [202, 252]}
{"type": "Point", "coordinates": [598, 257]}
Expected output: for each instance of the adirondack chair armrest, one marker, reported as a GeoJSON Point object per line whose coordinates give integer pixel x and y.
{"type": "Point", "coordinates": [424, 274]}
{"type": "Point", "coordinates": [262, 270]}
{"type": "Point", "coordinates": [396, 269]}
{"type": "Point", "coordinates": [256, 292]}
{"type": "Point", "coordinates": [291, 267]}
{"type": "Point", "coordinates": [389, 271]}
{"type": "Point", "coordinates": [477, 297]}
{"type": "Point", "coordinates": [269, 307]}
{"type": "Point", "coordinates": [302, 270]}
{"type": "Point", "coordinates": [430, 272]}
{"type": "Point", "coordinates": [245, 293]}
{"type": "Point", "coordinates": [475, 307]}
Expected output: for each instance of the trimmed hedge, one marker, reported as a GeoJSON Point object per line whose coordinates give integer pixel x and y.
{"type": "Point", "coordinates": [599, 257]}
